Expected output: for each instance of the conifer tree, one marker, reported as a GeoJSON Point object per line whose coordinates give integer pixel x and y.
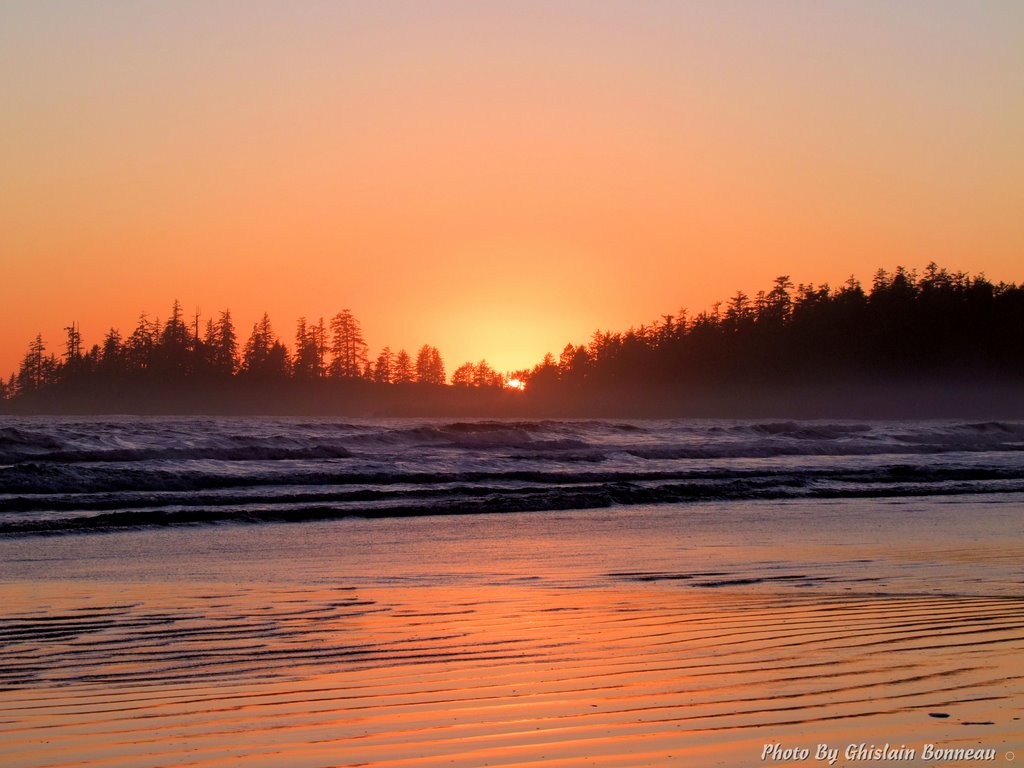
{"type": "Point", "coordinates": [429, 366]}
{"type": "Point", "coordinates": [222, 345]}
{"type": "Point", "coordinates": [141, 345]}
{"type": "Point", "coordinates": [382, 368]}
{"type": "Point", "coordinates": [306, 363]}
{"type": "Point", "coordinates": [463, 375]}
{"type": "Point", "coordinates": [36, 369]}
{"type": "Point", "coordinates": [256, 353]}
{"type": "Point", "coordinates": [347, 346]}
{"type": "Point", "coordinates": [403, 370]}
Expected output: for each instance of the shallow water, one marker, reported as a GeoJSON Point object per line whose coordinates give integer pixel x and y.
{"type": "Point", "coordinates": [647, 635]}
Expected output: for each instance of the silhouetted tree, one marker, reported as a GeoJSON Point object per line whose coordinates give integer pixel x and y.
{"type": "Point", "coordinates": [307, 353]}
{"type": "Point", "coordinates": [739, 314]}
{"type": "Point", "coordinates": [429, 366]}
{"type": "Point", "coordinates": [73, 345]}
{"type": "Point", "coordinates": [140, 349]}
{"type": "Point", "coordinates": [778, 303]}
{"type": "Point", "coordinates": [463, 375]}
{"type": "Point", "coordinates": [112, 356]}
{"type": "Point", "coordinates": [278, 364]}
{"type": "Point", "coordinates": [319, 336]}
{"type": "Point", "coordinates": [905, 326]}
{"type": "Point", "coordinates": [941, 322]}
{"type": "Point", "coordinates": [382, 368]}
{"type": "Point", "coordinates": [222, 345]}
{"type": "Point", "coordinates": [485, 376]}
{"type": "Point", "coordinates": [75, 366]}
{"type": "Point", "coordinates": [544, 375]}
{"type": "Point", "coordinates": [264, 357]}
{"type": "Point", "coordinates": [37, 368]}
{"type": "Point", "coordinates": [347, 346]}
{"type": "Point", "coordinates": [573, 364]}
{"type": "Point", "coordinates": [173, 349]}
{"type": "Point", "coordinates": [403, 370]}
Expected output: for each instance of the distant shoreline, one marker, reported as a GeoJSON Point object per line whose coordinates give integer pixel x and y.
{"type": "Point", "coordinates": [963, 396]}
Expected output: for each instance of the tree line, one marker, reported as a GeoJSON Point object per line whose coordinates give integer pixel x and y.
{"type": "Point", "coordinates": [177, 350]}
{"type": "Point", "coordinates": [938, 323]}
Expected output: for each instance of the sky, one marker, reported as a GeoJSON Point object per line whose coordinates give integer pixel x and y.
{"type": "Point", "coordinates": [492, 178]}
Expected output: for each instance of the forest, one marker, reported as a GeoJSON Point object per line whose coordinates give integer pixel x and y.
{"type": "Point", "coordinates": [907, 337]}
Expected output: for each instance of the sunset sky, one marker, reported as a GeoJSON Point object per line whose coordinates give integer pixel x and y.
{"type": "Point", "coordinates": [495, 179]}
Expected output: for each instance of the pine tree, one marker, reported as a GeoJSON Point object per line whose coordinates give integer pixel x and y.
{"type": "Point", "coordinates": [175, 344]}
{"type": "Point", "coordinates": [111, 362]}
{"type": "Point", "coordinates": [319, 334]}
{"type": "Point", "coordinates": [485, 376]}
{"type": "Point", "coordinates": [73, 345]}
{"type": "Point", "coordinates": [222, 345]}
{"type": "Point", "coordinates": [141, 344]}
{"type": "Point", "coordinates": [403, 370]}
{"type": "Point", "coordinates": [306, 363]}
{"type": "Point", "coordinates": [256, 354]}
{"type": "Point", "coordinates": [429, 366]}
{"type": "Point", "coordinates": [347, 346]}
{"type": "Point", "coordinates": [463, 375]}
{"type": "Point", "coordinates": [34, 370]}
{"type": "Point", "coordinates": [382, 368]}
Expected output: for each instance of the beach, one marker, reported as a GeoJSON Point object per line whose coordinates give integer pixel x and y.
{"type": "Point", "coordinates": [698, 634]}
{"type": "Point", "coordinates": [514, 385]}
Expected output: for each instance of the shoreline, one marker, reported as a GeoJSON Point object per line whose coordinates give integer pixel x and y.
{"type": "Point", "coordinates": [875, 398]}
{"type": "Point", "coordinates": [627, 637]}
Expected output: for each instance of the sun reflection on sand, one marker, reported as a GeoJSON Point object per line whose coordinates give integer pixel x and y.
{"type": "Point", "coordinates": [517, 643]}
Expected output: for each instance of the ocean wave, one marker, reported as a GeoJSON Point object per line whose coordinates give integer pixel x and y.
{"type": "Point", "coordinates": [223, 448]}
{"type": "Point", "coordinates": [178, 471]}
{"type": "Point", "coordinates": [17, 443]}
{"type": "Point", "coordinates": [486, 435]}
{"type": "Point", "coordinates": [806, 431]}
{"type": "Point", "coordinates": [279, 440]}
{"type": "Point", "coordinates": [396, 495]}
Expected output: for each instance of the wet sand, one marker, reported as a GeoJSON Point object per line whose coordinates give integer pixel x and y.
{"type": "Point", "coordinates": [626, 637]}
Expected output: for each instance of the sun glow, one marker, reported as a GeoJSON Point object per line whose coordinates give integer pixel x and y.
{"type": "Point", "coordinates": [277, 161]}
{"type": "Point", "coordinates": [515, 384]}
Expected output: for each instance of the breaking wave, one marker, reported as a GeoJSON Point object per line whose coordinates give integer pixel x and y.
{"type": "Point", "coordinates": [69, 475]}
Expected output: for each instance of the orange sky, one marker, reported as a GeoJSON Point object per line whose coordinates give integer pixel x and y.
{"type": "Point", "coordinates": [492, 178]}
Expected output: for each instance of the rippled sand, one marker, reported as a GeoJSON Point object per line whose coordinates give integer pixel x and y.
{"type": "Point", "coordinates": [657, 636]}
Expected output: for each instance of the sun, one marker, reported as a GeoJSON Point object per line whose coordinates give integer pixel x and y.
{"type": "Point", "coordinates": [515, 384]}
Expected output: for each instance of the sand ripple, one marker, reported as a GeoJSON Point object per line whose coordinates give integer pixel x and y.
{"type": "Point", "coordinates": [520, 673]}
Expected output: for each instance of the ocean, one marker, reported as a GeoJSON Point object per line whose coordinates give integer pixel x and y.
{"type": "Point", "coordinates": [67, 475]}
{"type": "Point", "coordinates": [305, 593]}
